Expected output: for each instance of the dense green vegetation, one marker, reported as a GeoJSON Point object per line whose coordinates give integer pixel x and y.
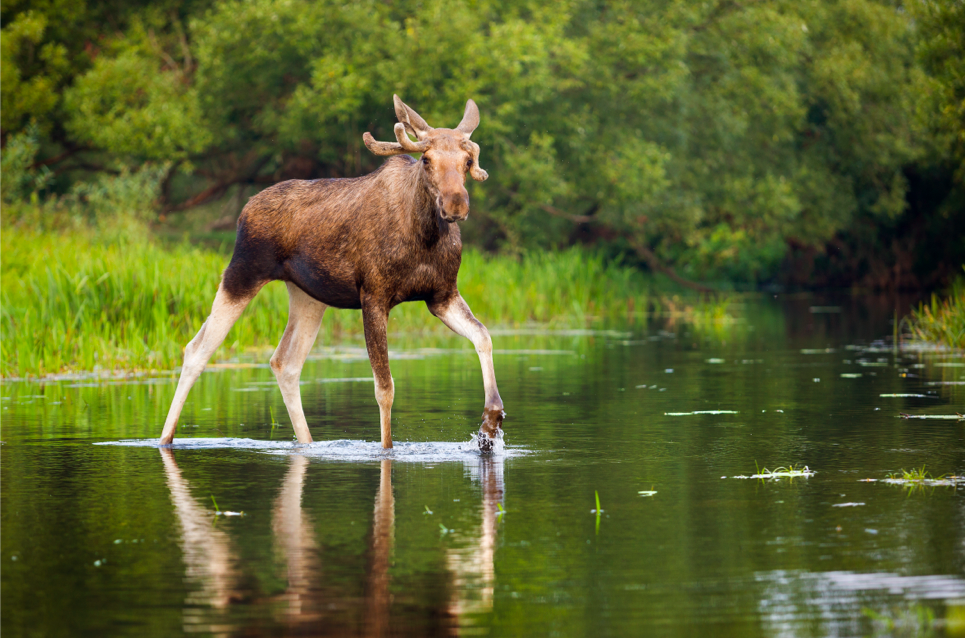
{"type": "Point", "coordinates": [815, 143]}
{"type": "Point", "coordinates": [77, 302]}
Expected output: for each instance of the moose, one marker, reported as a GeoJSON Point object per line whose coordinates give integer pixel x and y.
{"type": "Point", "coordinates": [370, 242]}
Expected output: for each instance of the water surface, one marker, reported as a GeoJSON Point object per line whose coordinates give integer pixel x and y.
{"type": "Point", "coordinates": [105, 534]}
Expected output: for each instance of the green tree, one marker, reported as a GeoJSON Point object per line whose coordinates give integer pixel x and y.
{"type": "Point", "coordinates": [706, 139]}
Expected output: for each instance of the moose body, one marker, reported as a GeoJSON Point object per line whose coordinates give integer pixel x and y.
{"type": "Point", "coordinates": [370, 242]}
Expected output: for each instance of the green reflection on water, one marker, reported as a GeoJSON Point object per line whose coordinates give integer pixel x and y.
{"type": "Point", "coordinates": [348, 548]}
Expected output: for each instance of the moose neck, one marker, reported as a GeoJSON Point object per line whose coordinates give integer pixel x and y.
{"type": "Point", "coordinates": [423, 207]}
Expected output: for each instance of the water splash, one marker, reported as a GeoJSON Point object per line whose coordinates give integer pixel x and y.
{"type": "Point", "coordinates": [495, 446]}
{"type": "Point", "coordinates": [346, 449]}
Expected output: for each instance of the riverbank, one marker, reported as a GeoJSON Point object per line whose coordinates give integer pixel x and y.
{"type": "Point", "coordinates": [73, 302]}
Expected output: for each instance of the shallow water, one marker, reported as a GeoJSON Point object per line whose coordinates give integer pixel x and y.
{"type": "Point", "coordinates": [238, 531]}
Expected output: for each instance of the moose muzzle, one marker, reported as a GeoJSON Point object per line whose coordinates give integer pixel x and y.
{"type": "Point", "coordinates": [455, 206]}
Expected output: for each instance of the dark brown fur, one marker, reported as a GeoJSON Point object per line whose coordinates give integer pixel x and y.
{"type": "Point", "coordinates": [380, 236]}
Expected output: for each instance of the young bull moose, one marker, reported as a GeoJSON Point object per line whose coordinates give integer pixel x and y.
{"type": "Point", "coordinates": [370, 242]}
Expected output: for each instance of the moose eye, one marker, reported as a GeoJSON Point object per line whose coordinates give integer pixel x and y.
{"type": "Point", "coordinates": [425, 160]}
{"type": "Point", "coordinates": [469, 162]}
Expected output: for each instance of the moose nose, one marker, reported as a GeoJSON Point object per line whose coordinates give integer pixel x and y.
{"type": "Point", "coordinates": [456, 207]}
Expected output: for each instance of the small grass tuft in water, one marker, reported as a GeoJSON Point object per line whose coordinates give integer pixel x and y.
{"type": "Point", "coordinates": [915, 474]}
{"type": "Point", "coordinates": [216, 508]}
{"type": "Point", "coordinates": [428, 511]}
{"type": "Point", "coordinates": [649, 492]}
{"type": "Point", "coordinates": [271, 412]}
{"type": "Point", "coordinates": [598, 511]}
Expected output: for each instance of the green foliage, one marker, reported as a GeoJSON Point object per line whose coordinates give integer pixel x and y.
{"type": "Point", "coordinates": [941, 47]}
{"type": "Point", "coordinates": [714, 134]}
{"type": "Point", "coordinates": [120, 205]}
{"type": "Point", "coordinates": [34, 96]}
{"type": "Point", "coordinates": [20, 181]}
{"type": "Point", "coordinates": [129, 107]}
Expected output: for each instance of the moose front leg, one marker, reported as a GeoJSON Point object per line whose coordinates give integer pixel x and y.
{"type": "Point", "coordinates": [455, 313]}
{"type": "Point", "coordinates": [375, 316]}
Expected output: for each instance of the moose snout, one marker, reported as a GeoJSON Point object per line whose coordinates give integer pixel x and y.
{"type": "Point", "coordinates": [455, 207]}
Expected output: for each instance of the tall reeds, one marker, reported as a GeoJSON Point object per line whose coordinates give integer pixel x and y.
{"type": "Point", "coordinates": [71, 302]}
{"type": "Point", "coordinates": [942, 320]}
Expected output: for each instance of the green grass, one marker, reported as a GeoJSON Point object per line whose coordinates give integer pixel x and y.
{"type": "Point", "coordinates": [942, 321]}
{"type": "Point", "coordinates": [915, 474]}
{"type": "Point", "coordinates": [73, 303]}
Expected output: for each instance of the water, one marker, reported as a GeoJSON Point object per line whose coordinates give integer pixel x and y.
{"type": "Point", "coordinates": [104, 534]}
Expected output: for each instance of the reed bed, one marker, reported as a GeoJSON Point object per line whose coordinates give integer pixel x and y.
{"type": "Point", "coordinates": [72, 302]}
{"type": "Point", "coordinates": [942, 320]}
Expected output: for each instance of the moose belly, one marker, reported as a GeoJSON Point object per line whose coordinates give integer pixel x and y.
{"type": "Point", "coordinates": [333, 287]}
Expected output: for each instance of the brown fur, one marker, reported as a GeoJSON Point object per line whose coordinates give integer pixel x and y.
{"type": "Point", "coordinates": [380, 236]}
{"type": "Point", "coordinates": [370, 242]}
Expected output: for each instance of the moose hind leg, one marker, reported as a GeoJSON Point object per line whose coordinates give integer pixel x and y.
{"type": "Point", "coordinates": [455, 313]}
{"type": "Point", "coordinates": [304, 319]}
{"type": "Point", "coordinates": [375, 319]}
{"type": "Point", "coordinates": [224, 312]}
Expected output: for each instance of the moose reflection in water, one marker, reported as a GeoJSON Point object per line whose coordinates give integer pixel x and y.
{"type": "Point", "coordinates": [223, 595]}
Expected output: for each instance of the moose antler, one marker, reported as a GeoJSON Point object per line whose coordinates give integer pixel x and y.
{"type": "Point", "coordinates": [475, 170]}
{"type": "Point", "coordinates": [413, 121]}
{"type": "Point", "coordinates": [470, 119]}
{"type": "Point", "coordinates": [381, 148]}
{"type": "Point", "coordinates": [409, 121]}
{"type": "Point", "coordinates": [406, 143]}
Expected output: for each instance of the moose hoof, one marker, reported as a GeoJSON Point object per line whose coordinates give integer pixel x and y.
{"type": "Point", "coordinates": [485, 444]}
{"type": "Point", "coordinates": [492, 422]}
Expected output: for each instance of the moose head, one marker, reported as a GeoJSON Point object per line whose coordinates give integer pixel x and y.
{"type": "Point", "coordinates": [447, 155]}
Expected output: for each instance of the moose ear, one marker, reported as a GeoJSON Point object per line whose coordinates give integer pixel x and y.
{"type": "Point", "coordinates": [470, 119]}
{"type": "Point", "coordinates": [412, 121]}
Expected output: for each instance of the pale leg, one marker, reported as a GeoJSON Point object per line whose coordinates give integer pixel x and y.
{"type": "Point", "coordinates": [295, 540]}
{"type": "Point", "coordinates": [374, 318]}
{"type": "Point", "coordinates": [304, 319]}
{"type": "Point", "coordinates": [455, 313]}
{"type": "Point", "coordinates": [224, 312]}
{"type": "Point", "coordinates": [209, 558]}
{"type": "Point", "coordinates": [378, 594]}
